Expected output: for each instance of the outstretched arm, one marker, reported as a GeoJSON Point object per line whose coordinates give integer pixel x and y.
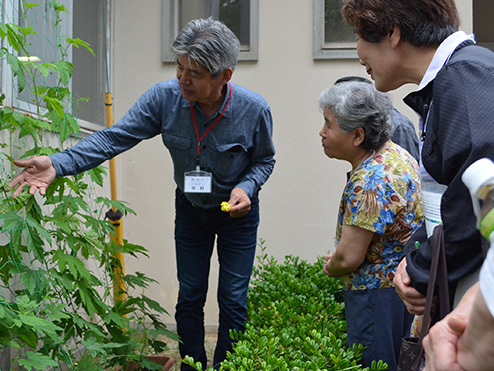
{"type": "Point", "coordinates": [38, 173]}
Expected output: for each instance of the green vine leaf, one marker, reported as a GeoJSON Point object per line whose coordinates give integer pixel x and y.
{"type": "Point", "coordinates": [78, 43]}
{"type": "Point", "coordinates": [17, 70]}
{"type": "Point", "coordinates": [37, 361]}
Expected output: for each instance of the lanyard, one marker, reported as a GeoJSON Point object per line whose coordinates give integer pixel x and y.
{"type": "Point", "coordinates": [207, 131]}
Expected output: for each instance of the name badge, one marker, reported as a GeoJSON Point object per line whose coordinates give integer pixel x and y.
{"type": "Point", "coordinates": [197, 181]}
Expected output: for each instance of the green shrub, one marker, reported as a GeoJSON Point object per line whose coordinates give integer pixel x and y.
{"type": "Point", "coordinates": [296, 321]}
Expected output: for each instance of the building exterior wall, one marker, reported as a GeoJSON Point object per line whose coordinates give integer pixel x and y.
{"type": "Point", "coordinates": [299, 202]}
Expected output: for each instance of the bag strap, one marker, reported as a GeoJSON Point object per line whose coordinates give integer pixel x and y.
{"type": "Point", "coordinates": [436, 237]}
{"type": "Point", "coordinates": [438, 271]}
{"type": "Point", "coordinates": [444, 299]}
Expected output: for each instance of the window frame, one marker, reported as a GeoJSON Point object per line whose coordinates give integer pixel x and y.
{"type": "Point", "coordinates": [338, 51]}
{"type": "Point", "coordinates": [171, 29]}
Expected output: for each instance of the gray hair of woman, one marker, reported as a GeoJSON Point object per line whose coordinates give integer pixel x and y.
{"type": "Point", "coordinates": [359, 104]}
{"type": "Point", "coordinates": [210, 43]}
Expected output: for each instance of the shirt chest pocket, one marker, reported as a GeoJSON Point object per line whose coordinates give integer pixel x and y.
{"type": "Point", "coordinates": [231, 161]}
{"type": "Point", "coordinates": [180, 149]}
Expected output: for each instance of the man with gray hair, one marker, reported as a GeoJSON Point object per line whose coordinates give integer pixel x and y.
{"type": "Point", "coordinates": [220, 139]}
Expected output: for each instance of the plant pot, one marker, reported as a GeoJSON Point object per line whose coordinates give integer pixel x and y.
{"type": "Point", "coordinates": [166, 361]}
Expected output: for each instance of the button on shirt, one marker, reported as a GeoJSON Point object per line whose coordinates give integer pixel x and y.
{"type": "Point", "coordinates": [238, 151]}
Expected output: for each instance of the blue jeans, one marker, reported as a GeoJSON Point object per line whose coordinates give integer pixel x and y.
{"type": "Point", "coordinates": [377, 319]}
{"type": "Point", "coordinates": [195, 232]}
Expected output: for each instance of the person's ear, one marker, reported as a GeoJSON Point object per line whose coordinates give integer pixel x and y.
{"type": "Point", "coordinates": [358, 136]}
{"type": "Point", "coordinates": [395, 36]}
{"type": "Point", "coordinates": [227, 74]}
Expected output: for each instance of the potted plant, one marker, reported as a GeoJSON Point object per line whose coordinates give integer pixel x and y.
{"type": "Point", "coordinates": [164, 363]}
{"type": "Point", "coordinates": [144, 345]}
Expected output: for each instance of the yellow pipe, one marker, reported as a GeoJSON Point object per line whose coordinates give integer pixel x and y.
{"type": "Point", "coordinates": [119, 287]}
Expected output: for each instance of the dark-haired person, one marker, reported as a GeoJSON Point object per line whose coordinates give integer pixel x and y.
{"type": "Point", "coordinates": [379, 210]}
{"type": "Point", "coordinates": [404, 133]}
{"type": "Point", "coordinates": [220, 138]}
{"type": "Point", "coordinates": [400, 42]}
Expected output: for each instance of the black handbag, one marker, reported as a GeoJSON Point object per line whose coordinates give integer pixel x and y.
{"type": "Point", "coordinates": [412, 356]}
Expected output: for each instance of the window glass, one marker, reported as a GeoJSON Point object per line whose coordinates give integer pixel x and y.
{"type": "Point", "coordinates": [83, 21]}
{"type": "Point", "coordinates": [239, 15]}
{"type": "Point", "coordinates": [41, 46]}
{"type": "Point", "coordinates": [233, 13]}
{"type": "Point", "coordinates": [236, 15]}
{"type": "Point", "coordinates": [333, 38]}
{"type": "Point", "coordinates": [336, 31]}
{"type": "Point", "coordinates": [89, 78]}
{"type": "Point", "coordinates": [483, 27]}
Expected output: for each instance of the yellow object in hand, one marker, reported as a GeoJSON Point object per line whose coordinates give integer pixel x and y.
{"type": "Point", "coordinates": [225, 206]}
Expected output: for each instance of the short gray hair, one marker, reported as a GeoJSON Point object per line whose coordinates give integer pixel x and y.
{"type": "Point", "coordinates": [359, 104]}
{"type": "Point", "coordinates": [210, 43]}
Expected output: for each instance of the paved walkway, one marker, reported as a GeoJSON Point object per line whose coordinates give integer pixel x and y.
{"type": "Point", "coordinates": [210, 343]}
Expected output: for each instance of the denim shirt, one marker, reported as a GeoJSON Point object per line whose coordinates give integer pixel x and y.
{"type": "Point", "coordinates": [238, 150]}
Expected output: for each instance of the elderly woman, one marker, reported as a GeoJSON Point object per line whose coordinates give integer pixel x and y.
{"type": "Point", "coordinates": [379, 210]}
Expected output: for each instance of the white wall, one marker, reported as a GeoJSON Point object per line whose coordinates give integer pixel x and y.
{"type": "Point", "coordinates": [299, 202]}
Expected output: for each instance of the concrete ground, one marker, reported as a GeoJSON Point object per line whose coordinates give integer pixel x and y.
{"type": "Point", "coordinates": [209, 342]}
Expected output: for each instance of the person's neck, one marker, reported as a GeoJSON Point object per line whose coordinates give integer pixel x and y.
{"type": "Point", "coordinates": [364, 155]}
{"type": "Point", "coordinates": [212, 105]}
{"type": "Point", "coordinates": [361, 157]}
{"type": "Point", "coordinates": [417, 62]}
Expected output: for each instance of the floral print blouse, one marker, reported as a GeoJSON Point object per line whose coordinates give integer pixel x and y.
{"type": "Point", "coordinates": [383, 196]}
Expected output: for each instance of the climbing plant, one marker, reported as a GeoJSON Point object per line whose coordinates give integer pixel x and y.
{"type": "Point", "coordinates": [57, 262]}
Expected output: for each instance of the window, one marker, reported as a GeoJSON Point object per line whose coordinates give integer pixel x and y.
{"type": "Point", "coordinates": [83, 20]}
{"type": "Point", "coordinates": [483, 27]}
{"type": "Point", "coordinates": [333, 38]}
{"type": "Point", "coordinates": [239, 15]}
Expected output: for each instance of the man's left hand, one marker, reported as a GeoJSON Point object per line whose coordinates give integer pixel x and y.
{"type": "Point", "coordinates": [240, 203]}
